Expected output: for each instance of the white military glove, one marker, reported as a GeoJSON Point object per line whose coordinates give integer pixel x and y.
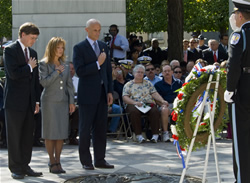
{"type": "Point", "coordinates": [228, 96]}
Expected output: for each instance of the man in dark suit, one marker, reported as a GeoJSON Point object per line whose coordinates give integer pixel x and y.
{"type": "Point", "coordinates": [93, 67]}
{"type": "Point", "coordinates": [223, 46]}
{"type": "Point", "coordinates": [197, 53]}
{"type": "Point", "coordinates": [187, 54]}
{"type": "Point", "coordinates": [212, 54]}
{"type": "Point", "coordinates": [155, 52]}
{"type": "Point", "coordinates": [21, 99]}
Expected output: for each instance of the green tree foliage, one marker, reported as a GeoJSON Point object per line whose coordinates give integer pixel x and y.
{"type": "Point", "coordinates": [206, 15]}
{"type": "Point", "coordinates": [151, 15]}
{"type": "Point", "coordinates": [5, 18]}
{"type": "Point", "coordinates": [146, 15]}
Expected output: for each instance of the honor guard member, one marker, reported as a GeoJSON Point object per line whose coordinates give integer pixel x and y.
{"type": "Point", "coordinates": [126, 66]}
{"type": "Point", "coordinates": [238, 79]}
{"type": "Point", "coordinates": [201, 44]}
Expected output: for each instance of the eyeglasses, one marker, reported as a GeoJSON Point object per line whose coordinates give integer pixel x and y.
{"type": "Point", "coordinates": [176, 72]}
{"type": "Point", "coordinates": [151, 69]}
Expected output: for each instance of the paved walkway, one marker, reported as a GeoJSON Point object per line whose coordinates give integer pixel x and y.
{"type": "Point", "coordinates": [129, 157]}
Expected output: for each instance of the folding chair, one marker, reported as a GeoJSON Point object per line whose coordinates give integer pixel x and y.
{"type": "Point", "coordinates": [123, 129]}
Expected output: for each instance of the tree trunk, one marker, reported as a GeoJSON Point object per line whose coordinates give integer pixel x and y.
{"type": "Point", "coordinates": [175, 30]}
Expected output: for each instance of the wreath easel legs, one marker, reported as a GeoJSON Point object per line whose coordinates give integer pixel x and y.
{"type": "Point", "coordinates": [212, 135]}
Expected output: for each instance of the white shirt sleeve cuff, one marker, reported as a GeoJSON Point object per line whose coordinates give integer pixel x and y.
{"type": "Point", "coordinates": [98, 66]}
{"type": "Point", "coordinates": [31, 70]}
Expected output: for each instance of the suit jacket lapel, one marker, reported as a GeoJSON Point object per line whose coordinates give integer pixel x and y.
{"type": "Point", "coordinates": [20, 52]}
{"type": "Point", "coordinates": [32, 53]}
{"type": "Point", "coordinates": [90, 48]}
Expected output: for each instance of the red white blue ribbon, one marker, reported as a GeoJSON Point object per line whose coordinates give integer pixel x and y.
{"type": "Point", "coordinates": [178, 149]}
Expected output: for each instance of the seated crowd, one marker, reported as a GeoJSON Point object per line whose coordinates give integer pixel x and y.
{"type": "Point", "coordinates": [150, 65]}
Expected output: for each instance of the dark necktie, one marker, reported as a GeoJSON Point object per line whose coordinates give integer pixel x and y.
{"type": "Point", "coordinates": [26, 55]}
{"type": "Point", "coordinates": [96, 49]}
{"type": "Point", "coordinates": [27, 59]}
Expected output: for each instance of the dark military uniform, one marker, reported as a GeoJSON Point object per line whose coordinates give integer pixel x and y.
{"type": "Point", "coordinates": [238, 81]}
{"type": "Point", "coordinates": [203, 47]}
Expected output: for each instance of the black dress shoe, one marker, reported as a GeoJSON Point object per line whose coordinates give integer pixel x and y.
{"type": "Point", "coordinates": [88, 167]}
{"type": "Point", "coordinates": [32, 173]}
{"type": "Point", "coordinates": [104, 165]}
{"type": "Point", "coordinates": [73, 141]}
{"type": "Point", "coordinates": [17, 176]}
{"type": "Point", "coordinates": [37, 143]}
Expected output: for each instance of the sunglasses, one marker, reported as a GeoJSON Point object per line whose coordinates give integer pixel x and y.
{"type": "Point", "coordinates": [151, 69]}
{"type": "Point", "coordinates": [176, 72]}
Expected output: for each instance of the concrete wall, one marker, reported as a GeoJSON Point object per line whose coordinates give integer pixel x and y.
{"type": "Point", "coordinates": [67, 19]}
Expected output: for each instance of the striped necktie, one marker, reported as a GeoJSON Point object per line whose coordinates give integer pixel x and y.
{"type": "Point", "coordinates": [96, 49]}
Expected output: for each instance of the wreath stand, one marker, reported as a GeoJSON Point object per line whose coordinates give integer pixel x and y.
{"type": "Point", "coordinates": [211, 114]}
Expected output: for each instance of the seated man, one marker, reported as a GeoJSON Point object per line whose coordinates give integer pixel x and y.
{"type": "Point", "coordinates": [115, 121]}
{"type": "Point", "coordinates": [139, 92]}
{"type": "Point", "coordinates": [150, 74]}
{"type": "Point", "coordinates": [166, 88]}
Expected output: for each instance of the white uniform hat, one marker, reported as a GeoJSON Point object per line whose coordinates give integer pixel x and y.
{"type": "Point", "coordinates": [126, 63]}
{"type": "Point", "coordinates": [144, 59]}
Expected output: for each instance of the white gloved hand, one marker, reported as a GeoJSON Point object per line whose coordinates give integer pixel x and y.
{"type": "Point", "coordinates": [232, 22]}
{"type": "Point", "coordinates": [228, 96]}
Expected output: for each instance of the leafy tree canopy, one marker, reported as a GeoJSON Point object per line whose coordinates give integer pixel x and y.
{"type": "Point", "coordinates": [5, 18]}
{"type": "Point", "coordinates": [206, 15]}
{"type": "Point", "coordinates": [151, 15]}
{"type": "Point", "coordinates": [146, 15]}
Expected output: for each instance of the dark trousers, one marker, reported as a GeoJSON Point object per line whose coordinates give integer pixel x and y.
{"type": "Point", "coordinates": [153, 116]}
{"type": "Point", "coordinates": [93, 124]}
{"type": "Point", "coordinates": [243, 136]}
{"type": "Point", "coordinates": [74, 123]}
{"type": "Point", "coordinates": [3, 129]}
{"type": "Point", "coordinates": [38, 126]}
{"type": "Point", "coordinates": [20, 128]}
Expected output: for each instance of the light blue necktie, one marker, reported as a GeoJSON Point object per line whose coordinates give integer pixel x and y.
{"type": "Point", "coordinates": [96, 49]}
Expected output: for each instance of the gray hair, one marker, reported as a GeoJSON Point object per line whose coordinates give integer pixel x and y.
{"type": "Point", "coordinates": [174, 61]}
{"type": "Point", "coordinates": [92, 21]}
{"type": "Point", "coordinates": [211, 41]}
{"type": "Point", "coordinates": [137, 67]}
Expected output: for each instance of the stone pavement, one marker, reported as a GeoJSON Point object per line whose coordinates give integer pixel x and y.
{"type": "Point", "coordinates": [129, 157]}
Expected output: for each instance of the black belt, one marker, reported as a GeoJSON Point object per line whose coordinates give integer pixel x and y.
{"type": "Point", "coordinates": [246, 69]}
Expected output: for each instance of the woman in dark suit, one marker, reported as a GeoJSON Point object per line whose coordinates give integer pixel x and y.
{"type": "Point", "coordinates": [57, 100]}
